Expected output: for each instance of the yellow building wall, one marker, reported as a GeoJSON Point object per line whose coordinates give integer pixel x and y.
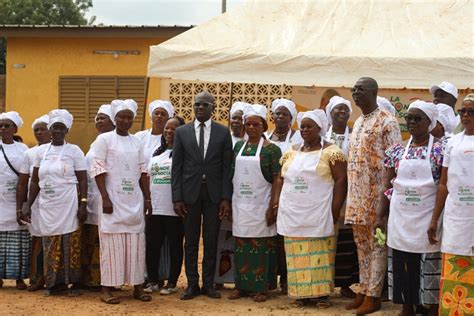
{"type": "Point", "coordinates": [33, 90]}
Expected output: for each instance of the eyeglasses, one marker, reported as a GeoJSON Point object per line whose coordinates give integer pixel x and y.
{"type": "Point", "coordinates": [414, 118]}
{"type": "Point", "coordinates": [202, 104]}
{"type": "Point", "coordinates": [469, 112]}
{"type": "Point", "coordinates": [6, 125]}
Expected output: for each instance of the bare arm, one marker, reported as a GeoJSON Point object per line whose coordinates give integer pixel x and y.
{"type": "Point", "coordinates": [34, 188]}
{"type": "Point", "coordinates": [21, 196]}
{"type": "Point", "coordinates": [272, 211]}
{"type": "Point", "coordinates": [107, 206]}
{"type": "Point", "coordinates": [145, 187]}
{"type": "Point", "coordinates": [82, 180]}
{"type": "Point", "coordinates": [339, 174]}
{"type": "Point", "coordinates": [384, 204]}
{"type": "Point", "coordinates": [441, 196]}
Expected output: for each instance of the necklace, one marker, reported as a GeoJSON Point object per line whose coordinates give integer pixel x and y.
{"type": "Point", "coordinates": [311, 146]}
{"type": "Point", "coordinates": [278, 135]}
{"type": "Point", "coordinates": [421, 144]}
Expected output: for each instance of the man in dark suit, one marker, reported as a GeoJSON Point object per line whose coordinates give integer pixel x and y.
{"type": "Point", "coordinates": [201, 186]}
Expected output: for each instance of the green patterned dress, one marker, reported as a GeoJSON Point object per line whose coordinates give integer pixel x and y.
{"type": "Point", "coordinates": [255, 259]}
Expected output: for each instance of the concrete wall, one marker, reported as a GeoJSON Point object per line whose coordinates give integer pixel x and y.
{"type": "Point", "coordinates": [33, 90]}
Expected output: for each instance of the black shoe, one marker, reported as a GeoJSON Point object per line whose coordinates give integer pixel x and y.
{"type": "Point", "coordinates": [190, 293]}
{"type": "Point", "coordinates": [210, 292]}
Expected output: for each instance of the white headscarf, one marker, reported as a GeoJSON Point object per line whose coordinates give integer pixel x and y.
{"type": "Point", "coordinates": [42, 119]}
{"type": "Point", "coordinates": [257, 110]}
{"type": "Point", "coordinates": [120, 105]}
{"type": "Point", "coordinates": [12, 116]}
{"type": "Point", "coordinates": [336, 100]}
{"type": "Point", "coordinates": [447, 118]}
{"type": "Point", "coordinates": [238, 106]}
{"type": "Point", "coordinates": [105, 109]}
{"type": "Point", "coordinates": [430, 109]}
{"type": "Point", "coordinates": [318, 116]}
{"type": "Point", "coordinates": [165, 105]}
{"type": "Point", "coordinates": [60, 116]}
{"type": "Point", "coordinates": [290, 105]}
{"type": "Point", "coordinates": [386, 105]}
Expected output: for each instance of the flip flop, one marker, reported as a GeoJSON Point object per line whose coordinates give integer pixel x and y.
{"type": "Point", "coordinates": [323, 304]}
{"type": "Point", "coordinates": [21, 285]}
{"type": "Point", "coordinates": [144, 297]}
{"type": "Point", "coordinates": [110, 300]}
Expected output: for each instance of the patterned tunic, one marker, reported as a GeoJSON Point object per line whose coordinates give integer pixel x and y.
{"type": "Point", "coordinates": [371, 136]}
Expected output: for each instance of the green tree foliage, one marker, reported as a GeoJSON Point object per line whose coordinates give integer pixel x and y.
{"type": "Point", "coordinates": [59, 12]}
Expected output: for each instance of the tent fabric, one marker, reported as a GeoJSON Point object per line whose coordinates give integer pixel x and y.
{"type": "Point", "coordinates": [400, 43]}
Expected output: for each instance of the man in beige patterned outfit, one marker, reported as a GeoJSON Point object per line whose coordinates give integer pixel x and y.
{"type": "Point", "coordinates": [374, 132]}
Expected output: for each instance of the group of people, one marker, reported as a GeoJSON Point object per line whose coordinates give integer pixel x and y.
{"type": "Point", "coordinates": [316, 206]}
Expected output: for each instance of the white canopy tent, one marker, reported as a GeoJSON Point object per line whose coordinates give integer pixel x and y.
{"type": "Point", "coordinates": [331, 43]}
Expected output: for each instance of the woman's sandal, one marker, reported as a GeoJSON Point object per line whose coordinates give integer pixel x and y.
{"type": "Point", "coordinates": [21, 285]}
{"type": "Point", "coordinates": [260, 297]}
{"type": "Point", "coordinates": [323, 304]}
{"type": "Point", "coordinates": [35, 287]}
{"type": "Point", "coordinates": [110, 300]}
{"type": "Point", "coordinates": [301, 302]}
{"type": "Point", "coordinates": [236, 294]}
{"type": "Point", "coordinates": [144, 297]}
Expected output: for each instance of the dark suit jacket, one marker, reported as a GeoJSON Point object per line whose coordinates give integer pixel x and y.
{"type": "Point", "coordinates": [189, 166]}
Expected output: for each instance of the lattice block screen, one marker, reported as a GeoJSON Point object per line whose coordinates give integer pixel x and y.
{"type": "Point", "coordinates": [182, 95]}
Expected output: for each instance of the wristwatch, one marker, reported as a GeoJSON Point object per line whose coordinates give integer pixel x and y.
{"type": "Point", "coordinates": [84, 200]}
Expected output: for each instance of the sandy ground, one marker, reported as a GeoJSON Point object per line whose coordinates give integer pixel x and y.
{"type": "Point", "coordinates": [14, 302]}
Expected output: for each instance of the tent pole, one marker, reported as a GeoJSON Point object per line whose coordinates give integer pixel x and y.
{"type": "Point", "coordinates": [231, 99]}
{"type": "Point", "coordinates": [147, 86]}
{"type": "Point", "coordinates": [224, 6]}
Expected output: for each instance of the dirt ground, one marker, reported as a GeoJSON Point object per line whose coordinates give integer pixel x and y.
{"type": "Point", "coordinates": [14, 302]}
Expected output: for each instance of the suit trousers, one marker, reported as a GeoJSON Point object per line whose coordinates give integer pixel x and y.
{"type": "Point", "coordinates": [209, 212]}
{"type": "Point", "coordinates": [157, 227]}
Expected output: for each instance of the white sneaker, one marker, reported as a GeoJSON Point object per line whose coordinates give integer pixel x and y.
{"type": "Point", "coordinates": [151, 288]}
{"type": "Point", "coordinates": [168, 290]}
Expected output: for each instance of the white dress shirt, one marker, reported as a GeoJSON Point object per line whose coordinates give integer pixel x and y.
{"type": "Point", "coordinates": [207, 133]}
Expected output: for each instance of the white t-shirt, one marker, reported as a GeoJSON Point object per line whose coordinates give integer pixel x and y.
{"type": "Point", "coordinates": [150, 142]}
{"type": "Point", "coordinates": [159, 171]}
{"type": "Point", "coordinates": [8, 183]}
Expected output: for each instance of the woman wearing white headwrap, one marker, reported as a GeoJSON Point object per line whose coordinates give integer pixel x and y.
{"type": "Point", "coordinates": [119, 170]}
{"type": "Point", "coordinates": [225, 240]}
{"type": "Point", "coordinates": [160, 111]}
{"type": "Point", "coordinates": [90, 242]}
{"type": "Point", "coordinates": [447, 122]}
{"type": "Point", "coordinates": [43, 136]}
{"type": "Point", "coordinates": [311, 190]}
{"type": "Point", "coordinates": [15, 240]}
{"type": "Point", "coordinates": [59, 170]}
{"type": "Point", "coordinates": [408, 198]}
{"type": "Point", "coordinates": [338, 112]}
{"type": "Point", "coordinates": [456, 196]}
{"type": "Point", "coordinates": [255, 168]}
{"type": "Point", "coordinates": [386, 105]}
{"type": "Point", "coordinates": [284, 115]}
{"type": "Point", "coordinates": [236, 121]}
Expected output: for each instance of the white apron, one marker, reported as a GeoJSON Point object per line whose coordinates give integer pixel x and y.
{"type": "Point", "coordinates": [94, 200]}
{"type": "Point", "coordinates": [58, 204]}
{"type": "Point", "coordinates": [8, 184]}
{"type": "Point", "coordinates": [305, 208]}
{"type": "Point", "coordinates": [412, 205]}
{"type": "Point", "coordinates": [123, 188]}
{"type": "Point", "coordinates": [251, 197]}
{"type": "Point", "coordinates": [458, 220]}
{"type": "Point", "coordinates": [345, 144]}
{"type": "Point", "coordinates": [160, 184]}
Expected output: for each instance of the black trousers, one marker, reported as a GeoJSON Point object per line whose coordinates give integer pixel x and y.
{"type": "Point", "coordinates": [157, 227]}
{"type": "Point", "coordinates": [208, 211]}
